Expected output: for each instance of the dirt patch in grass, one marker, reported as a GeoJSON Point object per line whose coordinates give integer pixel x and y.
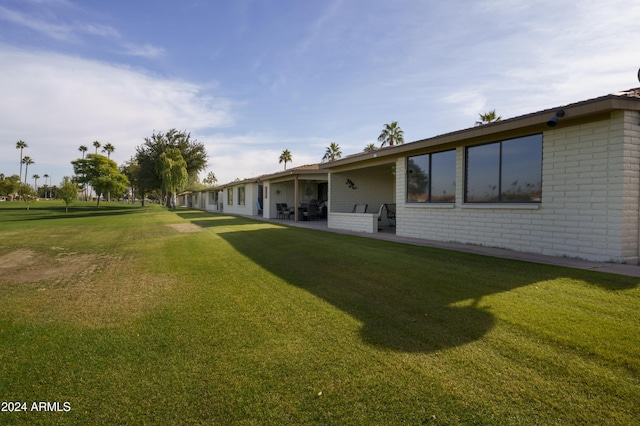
{"type": "Point", "coordinates": [89, 290]}
{"type": "Point", "coordinates": [185, 227]}
{"type": "Point", "coordinates": [27, 266]}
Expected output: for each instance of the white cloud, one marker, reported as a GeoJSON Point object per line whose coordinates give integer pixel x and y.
{"type": "Point", "coordinates": [254, 154]}
{"type": "Point", "coordinates": [56, 103]}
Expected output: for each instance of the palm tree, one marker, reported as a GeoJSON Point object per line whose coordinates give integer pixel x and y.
{"type": "Point", "coordinates": [370, 147]}
{"type": "Point", "coordinates": [285, 158]}
{"type": "Point", "coordinates": [83, 149]}
{"type": "Point", "coordinates": [332, 152]}
{"type": "Point", "coordinates": [46, 176]}
{"type": "Point", "coordinates": [35, 179]}
{"type": "Point", "coordinates": [488, 117]}
{"type": "Point", "coordinates": [26, 161]}
{"type": "Point", "coordinates": [97, 145]}
{"type": "Point", "coordinates": [108, 148]}
{"type": "Point", "coordinates": [391, 134]}
{"type": "Point", "coordinates": [21, 145]}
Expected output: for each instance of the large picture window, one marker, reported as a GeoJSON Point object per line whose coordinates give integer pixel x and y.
{"type": "Point", "coordinates": [431, 178]}
{"type": "Point", "coordinates": [505, 172]}
{"type": "Point", "coordinates": [230, 196]}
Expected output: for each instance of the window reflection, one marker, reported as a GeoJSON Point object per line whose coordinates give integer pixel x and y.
{"type": "Point", "coordinates": [507, 172]}
{"type": "Point", "coordinates": [431, 177]}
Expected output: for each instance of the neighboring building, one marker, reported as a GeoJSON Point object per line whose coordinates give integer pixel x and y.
{"type": "Point", "coordinates": [206, 199]}
{"type": "Point", "coordinates": [561, 184]}
{"type": "Point", "coordinates": [240, 197]}
{"type": "Point", "coordinates": [295, 186]}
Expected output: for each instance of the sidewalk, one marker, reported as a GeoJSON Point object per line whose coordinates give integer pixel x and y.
{"type": "Point", "coordinates": [612, 268]}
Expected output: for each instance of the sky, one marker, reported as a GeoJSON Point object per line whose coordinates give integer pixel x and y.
{"type": "Point", "coordinates": [251, 78]}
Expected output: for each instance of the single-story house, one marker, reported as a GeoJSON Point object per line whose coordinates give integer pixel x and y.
{"type": "Point", "coordinates": [261, 195]}
{"type": "Point", "coordinates": [564, 182]}
{"type": "Point", "coordinates": [294, 187]}
{"type": "Point", "coordinates": [205, 199]}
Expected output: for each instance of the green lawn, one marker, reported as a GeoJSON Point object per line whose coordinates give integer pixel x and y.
{"type": "Point", "coordinates": [137, 315]}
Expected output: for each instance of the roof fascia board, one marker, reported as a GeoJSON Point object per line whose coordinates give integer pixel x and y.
{"type": "Point", "coordinates": [590, 110]}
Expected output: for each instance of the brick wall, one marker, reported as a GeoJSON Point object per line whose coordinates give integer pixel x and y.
{"type": "Point", "coordinates": [589, 208]}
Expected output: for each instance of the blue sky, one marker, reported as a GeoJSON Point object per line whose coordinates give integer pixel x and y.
{"type": "Point", "coordinates": [250, 78]}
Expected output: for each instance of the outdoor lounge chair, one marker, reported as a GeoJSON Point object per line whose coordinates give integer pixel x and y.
{"type": "Point", "coordinates": [259, 208]}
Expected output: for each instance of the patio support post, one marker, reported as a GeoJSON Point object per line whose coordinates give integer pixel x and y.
{"type": "Point", "coordinates": [295, 199]}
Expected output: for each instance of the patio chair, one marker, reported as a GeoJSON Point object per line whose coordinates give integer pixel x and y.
{"type": "Point", "coordinates": [259, 208]}
{"type": "Point", "coordinates": [391, 214]}
{"type": "Point", "coordinates": [280, 211]}
{"type": "Point", "coordinates": [311, 212]}
{"type": "Point", "coordinates": [360, 208]}
{"type": "Point", "coordinates": [286, 211]}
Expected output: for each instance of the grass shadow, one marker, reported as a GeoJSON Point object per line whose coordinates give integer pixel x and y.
{"type": "Point", "coordinates": [15, 214]}
{"type": "Point", "coordinates": [408, 298]}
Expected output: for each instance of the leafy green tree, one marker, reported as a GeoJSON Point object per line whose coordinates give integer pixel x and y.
{"type": "Point", "coordinates": [332, 152]}
{"type": "Point", "coordinates": [172, 170]}
{"type": "Point", "coordinates": [9, 186]}
{"type": "Point", "coordinates": [210, 180]}
{"type": "Point", "coordinates": [21, 145]}
{"type": "Point", "coordinates": [488, 117]}
{"type": "Point", "coordinates": [101, 173]}
{"type": "Point", "coordinates": [391, 134]}
{"type": "Point", "coordinates": [285, 158]}
{"type": "Point", "coordinates": [68, 192]}
{"type": "Point", "coordinates": [27, 194]}
{"type": "Point", "coordinates": [130, 170]}
{"type": "Point", "coordinates": [193, 153]}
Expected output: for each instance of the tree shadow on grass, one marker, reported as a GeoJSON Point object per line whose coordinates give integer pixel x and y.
{"type": "Point", "coordinates": [408, 298]}
{"type": "Point", "coordinates": [17, 214]}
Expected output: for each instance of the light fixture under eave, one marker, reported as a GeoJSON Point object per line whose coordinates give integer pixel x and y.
{"type": "Point", "coordinates": [553, 121]}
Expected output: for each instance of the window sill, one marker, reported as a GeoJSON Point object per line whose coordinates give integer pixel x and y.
{"type": "Point", "coordinates": [502, 206]}
{"type": "Point", "coordinates": [430, 205]}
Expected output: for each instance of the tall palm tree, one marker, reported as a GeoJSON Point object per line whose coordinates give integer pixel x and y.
{"type": "Point", "coordinates": [370, 147]}
{"type": "Point", "coordinates": [285, 158]}
{"type": "Point", "coordinates": [488, 117]}
{"type": "Point", "coordinates": [97, 145]}
{"type": "Point", "coordinates": [332, 152]}
{"type": "Point", "coordinates": [26, 161]}
{"type": "Point", "coordinates": [108, 148]}
{"type": "Point", "coordinates": [83, 149]}
{"type": "Point", "coordinates": [21, 145]}
{"type": "Point", "coordinates": [35, 181]}
{"type": "Point", "coordinates": [391, 134]}
{"type": "Point", "coordinates": [46, 176]}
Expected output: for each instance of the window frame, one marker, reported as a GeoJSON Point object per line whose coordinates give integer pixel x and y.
{"type": "Point", "coordinates": [430, 178]}
{"type": "Point", "coordinates": [229, 196]}
{"type": "Point", "coordinates": [501, 172]}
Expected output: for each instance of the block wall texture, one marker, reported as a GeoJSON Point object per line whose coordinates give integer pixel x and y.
{"type": "Point", "coordinates": [590, 199]}
{"type": "Point", "coordinates": [371, 186]}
